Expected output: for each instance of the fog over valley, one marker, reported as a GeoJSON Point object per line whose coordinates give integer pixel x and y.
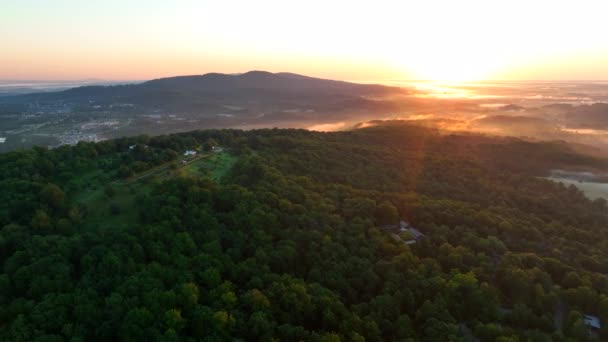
{"type": "Point", "coordinates": [571, 111]}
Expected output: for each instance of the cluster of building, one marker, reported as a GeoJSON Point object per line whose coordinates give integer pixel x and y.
{"type": "Point", "coordinates": [215, 149]}
{"type": "Point", "coordinates": [73, 137]}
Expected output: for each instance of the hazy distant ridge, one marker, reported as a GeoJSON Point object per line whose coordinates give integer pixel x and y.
{"type": "Point", "coordinates": [212, 87]}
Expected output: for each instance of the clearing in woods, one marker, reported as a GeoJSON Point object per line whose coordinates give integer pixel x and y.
{"type": "Point", "coordinates": [214, 166]}
{"type": "Point", "coordinates": [114, 203]}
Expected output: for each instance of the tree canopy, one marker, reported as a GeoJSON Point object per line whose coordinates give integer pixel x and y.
{"type": "Point", "coordinates": [100, 241]}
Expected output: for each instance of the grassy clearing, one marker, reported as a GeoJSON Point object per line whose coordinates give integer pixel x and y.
{"type": "Point", "coordinates": [115, 210]}
{"type": "Point", "coordinates": [215, 166]}
{"type": "Point", "coordinates": [89, 183]}
{"type": "Point", "coordinates": [119, 208]}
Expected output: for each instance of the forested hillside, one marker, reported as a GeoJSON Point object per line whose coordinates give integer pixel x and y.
{"type": "Point", "coordinates": [277, 235]}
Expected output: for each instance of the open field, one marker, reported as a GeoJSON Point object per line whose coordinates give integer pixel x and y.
{"type": "Point", "coordinates": [216, 166]}
{"type": "Point", "coordinates": [118, 207]}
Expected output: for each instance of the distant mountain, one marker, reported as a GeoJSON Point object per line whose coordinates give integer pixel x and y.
{"type": "Point", "coordinates": [214, 89]}
{"type": "Point", "coordinates": [262, 80]}
{"type": "Point", "coordinates": [250, 100]}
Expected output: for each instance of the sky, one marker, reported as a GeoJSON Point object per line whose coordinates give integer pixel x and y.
{"type": "Point", "coordinates": [350, 40]}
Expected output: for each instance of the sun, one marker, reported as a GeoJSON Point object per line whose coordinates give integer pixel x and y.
{"type": "Point", "coordinates": [452, 68]}
{"type": "Point", "coordinates": [449, 72]}
{"type": "Point", "coordinates": [449, 64]}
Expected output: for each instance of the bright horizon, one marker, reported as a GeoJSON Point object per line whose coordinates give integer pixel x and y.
{"type": "Point", "coordinates": [348, 40]}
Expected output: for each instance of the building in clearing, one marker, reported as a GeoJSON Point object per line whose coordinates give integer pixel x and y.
{"type": "Point", "coordinates": [406, 227]}
{"type": "Point", "coordinates": [190, 153]}
{"type": "Point", "coordinates": [592, 322]}
{"type": "Point", "coordinates": [216, 149]}
{"type": "Point", "coordinates": [403, 226]}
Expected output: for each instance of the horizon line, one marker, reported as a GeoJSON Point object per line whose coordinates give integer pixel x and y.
{"type": "Point", "coordinates": [100, 80]}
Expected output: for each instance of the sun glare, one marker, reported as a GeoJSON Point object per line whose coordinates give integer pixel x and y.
{"type": "Point", "coordinates": [441, 65]}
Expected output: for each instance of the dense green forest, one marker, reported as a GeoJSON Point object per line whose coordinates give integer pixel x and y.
{"type": "Point", "coordinates": [275, 235]}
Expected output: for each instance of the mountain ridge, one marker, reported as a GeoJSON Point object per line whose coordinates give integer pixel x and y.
{"type": "Point", "coordinates": [214, 83]}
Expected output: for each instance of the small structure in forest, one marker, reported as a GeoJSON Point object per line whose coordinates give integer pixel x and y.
{"type": "Point", "coordinates": [406, 227]}
{"type": "Point", "coordinates": [402, 229]}
{"type": "Point", "coordinates": [592, 322]}
{"type": "Point", "coordinates": [189, 153]}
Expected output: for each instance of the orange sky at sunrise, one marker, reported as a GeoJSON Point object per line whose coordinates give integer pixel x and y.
{"type": "Point", "coordinates": [350, 40]}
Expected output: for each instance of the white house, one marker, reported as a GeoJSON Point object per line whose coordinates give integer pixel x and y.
{"type": "Point", "coordinates": [190, 153]}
